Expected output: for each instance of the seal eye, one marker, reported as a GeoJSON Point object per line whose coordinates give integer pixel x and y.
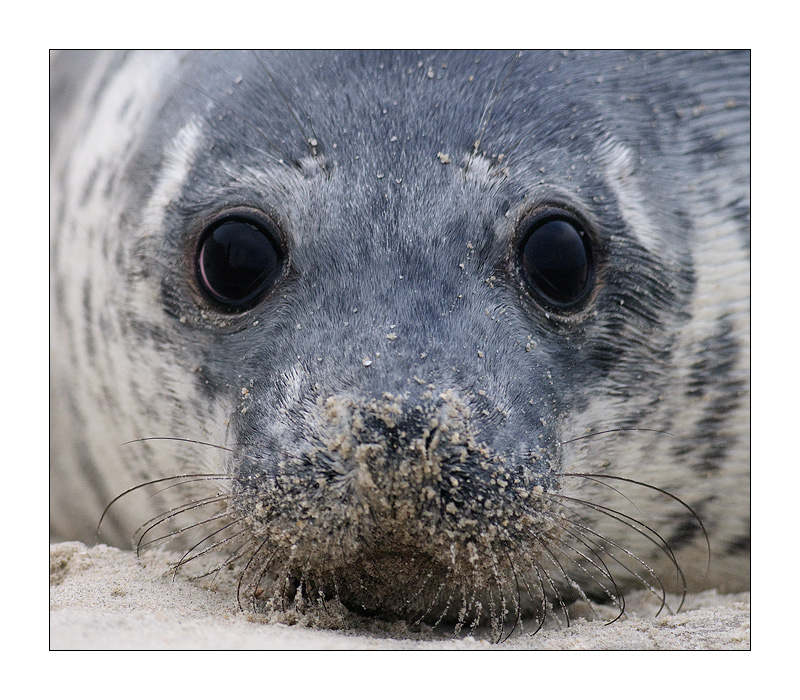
{"type": "Point", "coordinates": [556, 260]}
{"type": "Point", "coordinates": [237, 262]}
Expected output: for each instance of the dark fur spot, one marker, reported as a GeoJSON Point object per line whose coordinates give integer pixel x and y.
{"type": "Point", "coordinates": [685, 532]}
{"type": "Point", "coordinates": [714, 381]}
{"type": "Point", "coordinates": [88, 318]}
{"type": "Point", "coordinates": [739, 546]}
{"type": "Point", "coordinates": [89, 185]}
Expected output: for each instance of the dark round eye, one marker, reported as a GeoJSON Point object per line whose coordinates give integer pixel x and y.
{"type": "Point", "coordinates": [237, 261]}
{"type": "Point", "coordinates": [556, 260]}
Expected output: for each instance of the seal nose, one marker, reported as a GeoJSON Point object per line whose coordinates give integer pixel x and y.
{"type": "Point", "coordinates": [398, 444]}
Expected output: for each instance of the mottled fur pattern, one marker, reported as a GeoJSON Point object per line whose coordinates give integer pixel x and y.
{"type": "Point", "coordinates": [403, 426]}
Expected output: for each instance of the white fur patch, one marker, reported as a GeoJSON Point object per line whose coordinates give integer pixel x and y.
{"type": "Point", "coordinates": [177, 162]}
{"type": "Point", "coordinates": [621, 178]}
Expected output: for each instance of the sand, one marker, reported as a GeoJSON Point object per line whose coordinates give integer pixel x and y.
{"type": "Point", "coordinates": [105, 598]}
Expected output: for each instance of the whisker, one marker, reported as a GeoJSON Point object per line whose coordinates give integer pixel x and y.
{"type": "Point", "coordinates": [175, 533]}
{"type": "Point", "coordinates": [550, 581]}
{"type": "Point", "coordinates": [658, 490]}
{"type": "Point", "coordinates": [233, 557]}
{"type": "Point", "coordinates": [255, 553]}
{"type": "Point", "coordinates": [659, 592]}
{"type": "Point", "coordinates": [615, 430]}
{"type": "Point", "coordinates": [199, 477]}
{"type": "Point", "coordinates": [478, 605]}
{"type": "Point", "coordinates": [442, 586]}
{"type": "Point", "coordinates": [518, 614]}
{"type": "Point", "coordinates": [636, 526]}
{"type": "Point", "coordinates": [497, 620]}
{"type": "Point", "coordinates": [599, 565]}
{"type": "Point", "coordinates": [623, 518]}
{"type": "Point", "coordinates": [542, 596]}
{"type": "Point", "coordinates": [446, 608]}
{"type": "Point", "coordinates": [462, 613]}
{"type": "Point", "coordinates": [185, 559]}
{"type": "Point", "coordinates": [544, 603]}
{"type": "Point", "coordinates": [235, 449]}
{"type": "Point", "coordinates": [178, 439]}
{"type": "Point", "coordinates": [190, 481]}
{"type": "Point", "coordinates": [615, 490]}
{"type": "Point", "coordinates": [173, 512]}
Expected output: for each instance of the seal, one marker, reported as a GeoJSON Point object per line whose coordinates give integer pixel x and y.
{"type": "Point", "coordinates": [446, 336]}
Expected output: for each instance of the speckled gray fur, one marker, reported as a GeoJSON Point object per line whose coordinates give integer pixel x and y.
{"type": "Point", "coordinates": [401, 415]}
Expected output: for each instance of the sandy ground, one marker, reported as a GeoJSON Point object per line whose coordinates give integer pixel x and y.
{"type": "Point", "coordinates": [105, 598]}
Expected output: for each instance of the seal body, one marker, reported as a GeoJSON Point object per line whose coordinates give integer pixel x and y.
{"type": "Point", "coordinates": [407, 409]}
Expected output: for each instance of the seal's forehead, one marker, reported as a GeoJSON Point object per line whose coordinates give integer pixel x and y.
{"type": "Point", "coordinates": [294, 104]}
{"type": "Point", "coordinates": [287, 106]}
{"type": "Point", "coordinates": [388, 114]}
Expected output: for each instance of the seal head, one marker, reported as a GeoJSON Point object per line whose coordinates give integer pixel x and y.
{"type": "Point", "coordinates": [470, 331]}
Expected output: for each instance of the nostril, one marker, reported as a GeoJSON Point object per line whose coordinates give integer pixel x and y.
{"type": "Point", "coordinates": [432, 438]}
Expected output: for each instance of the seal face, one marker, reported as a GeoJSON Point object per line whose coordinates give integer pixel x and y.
{"type": "Point", "coordinates": [449, 335]}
